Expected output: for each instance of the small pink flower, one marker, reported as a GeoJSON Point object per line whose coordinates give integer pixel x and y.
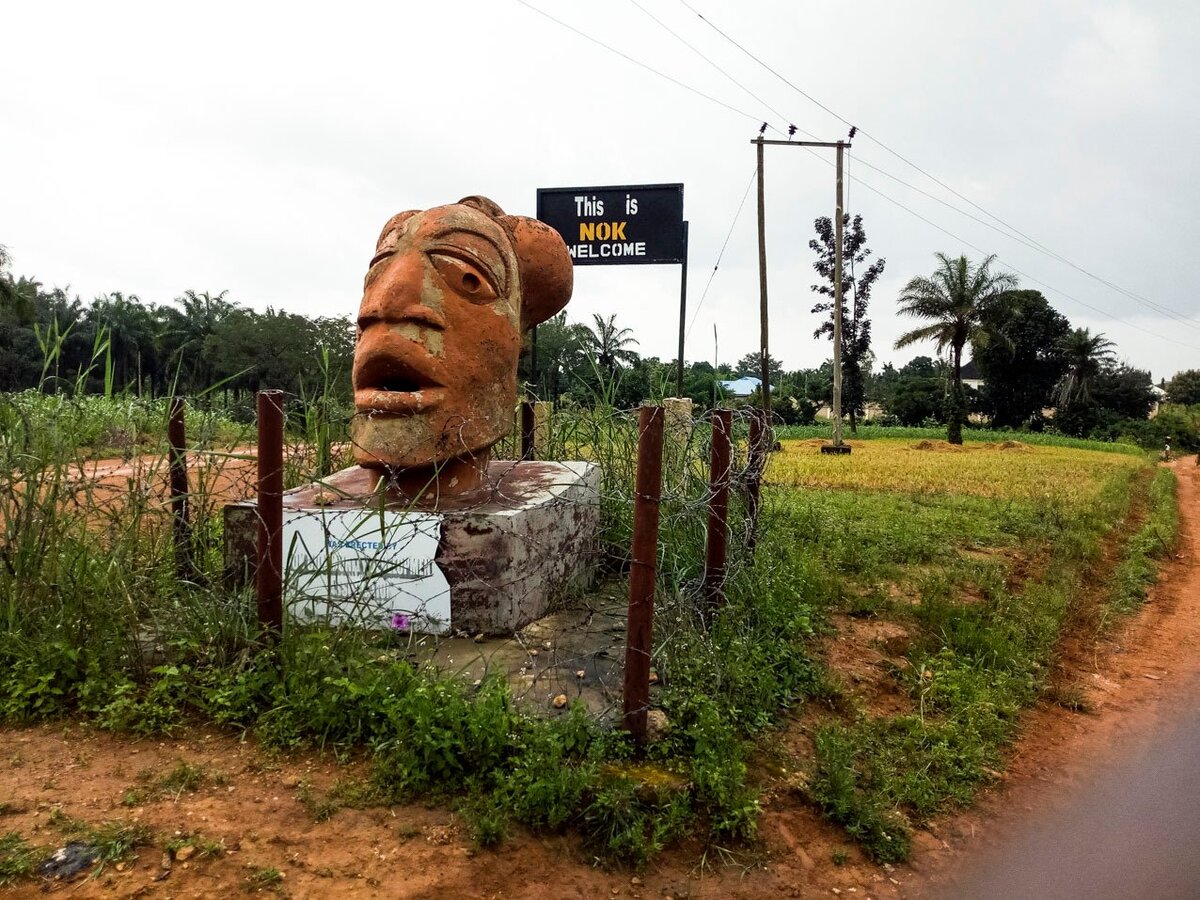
{"type": "Point", "coordinates": [401, 622]}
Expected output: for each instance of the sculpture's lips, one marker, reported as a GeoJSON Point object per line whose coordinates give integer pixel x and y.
{"type": "Point", "coordinates": [398, 380]}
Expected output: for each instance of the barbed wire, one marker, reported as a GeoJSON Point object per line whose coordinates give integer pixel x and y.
{"type": "Point", "coordinates": [567, 643]}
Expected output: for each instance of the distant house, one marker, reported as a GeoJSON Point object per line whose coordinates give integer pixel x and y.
{"type": "Point", "coordinates": [1160, 397]}
{"type": "Point", "coordinates": [971, 376]}
{"type": "Point", "coordinates": [740, 388]}
{"type": "Point", "coordinates": [871, 411]}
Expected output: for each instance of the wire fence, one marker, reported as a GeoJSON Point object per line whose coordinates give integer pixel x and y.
{"type": "Point", "coordinates": [532, 574]}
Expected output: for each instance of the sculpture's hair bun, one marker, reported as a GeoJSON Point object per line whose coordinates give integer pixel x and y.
{"type": "Point", "coordinates": [547, 274]}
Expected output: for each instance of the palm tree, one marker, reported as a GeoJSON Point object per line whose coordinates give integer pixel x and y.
{"type": "Point", "coordinates": [18, 296]}
{"type": "Point", "coordinates": [21, 297]}
{"type": "Point", "coordinates": [608, 343]}
{"type": "Point", "coordinates": [185, 331]}
{"type": "Point", "coordinates": [130, 326]}
{"type": "Point", "coordinates": [1087, 356]}
{"type": "Point", "coordinates": [954, 300]}
{"type": "Point", "coordinates": [7, 293]}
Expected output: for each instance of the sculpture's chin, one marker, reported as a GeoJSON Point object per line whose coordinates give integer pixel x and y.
{"type": "Point", "coordinates": [418, 440]}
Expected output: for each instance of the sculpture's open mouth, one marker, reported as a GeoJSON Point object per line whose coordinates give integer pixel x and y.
{"type": "Point", "coordinates": [396, 383]}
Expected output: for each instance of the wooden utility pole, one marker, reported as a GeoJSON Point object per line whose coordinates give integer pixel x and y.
{"type": "Point", "coordinates": [763, 343]}
{"type": "Point", "coordinates": [837, 446]}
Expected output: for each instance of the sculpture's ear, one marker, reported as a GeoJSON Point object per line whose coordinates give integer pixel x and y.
{"type": "Point", "coordinates": [547, 275]}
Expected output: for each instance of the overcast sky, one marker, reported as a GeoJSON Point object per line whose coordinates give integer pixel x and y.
{"type": "Point", "coordinates": [258, 148]}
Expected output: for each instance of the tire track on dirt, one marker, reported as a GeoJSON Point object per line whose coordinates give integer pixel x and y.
{"type": "Point", "coordinates": [1095, 804]}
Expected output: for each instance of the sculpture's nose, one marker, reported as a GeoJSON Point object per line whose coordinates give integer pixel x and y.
{"type": "Point", "coordinates": [394, 296]}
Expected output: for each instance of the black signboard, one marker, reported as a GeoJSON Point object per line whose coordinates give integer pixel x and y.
{"type": "Point", "coordinates": [617, 226]}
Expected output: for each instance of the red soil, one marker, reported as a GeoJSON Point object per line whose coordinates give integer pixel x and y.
{"type": "Point", "coordinates": [1134, 677]}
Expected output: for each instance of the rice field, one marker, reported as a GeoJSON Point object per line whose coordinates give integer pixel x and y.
{"type": "Point", "coordinates": [1002, 469]}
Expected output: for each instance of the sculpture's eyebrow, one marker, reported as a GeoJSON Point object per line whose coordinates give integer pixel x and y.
{"type": "Point", "coordinates": [449, 236]}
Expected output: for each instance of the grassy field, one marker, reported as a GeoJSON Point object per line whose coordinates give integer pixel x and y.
{"type": "Point", "coordinates": [950, 574]}
{"type": "Point", "coordinates": [942, 577]}
{"type": "Point", "coordinates": [970, 435]}
{"type": "Point", "coordinates": [1001, 469]}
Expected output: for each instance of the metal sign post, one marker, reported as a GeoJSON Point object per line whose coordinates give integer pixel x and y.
{"type": "Point", "coordinates": [621, 225]}
{"type": "Point", "coordinates": [682, 313]}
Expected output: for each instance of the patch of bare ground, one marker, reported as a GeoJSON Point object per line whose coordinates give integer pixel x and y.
{"type": "Point", "coordinates": [1134, 677]}
{"type": "Point", "coordinates": [864, 654]}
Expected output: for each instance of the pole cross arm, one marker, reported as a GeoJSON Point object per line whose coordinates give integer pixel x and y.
{"type": "Point", "coordinates": [844, 144]}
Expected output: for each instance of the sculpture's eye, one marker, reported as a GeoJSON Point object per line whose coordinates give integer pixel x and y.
{"type": "Point", "coordinates": [466, 278]}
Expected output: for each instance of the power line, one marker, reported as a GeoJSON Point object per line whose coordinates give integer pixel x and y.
{"type": "Point", "coordinates": [1167, 311]}
{"type": "Point", "coordinates": [626, 56]}
{"type": "Point", "coordinates": [721, 254]}
{"type": "Point", "coordinates": [1025, 238]}
{"type": "Point", "coordinates": [708, 60]}
{"type": "Point", "coordinates": [1004, 262]}
{"type": "Point", "coordinates": [743, 113]}
{"type": "Point", "coordinates": [763, 64]}
{"type": "Point", "coordinates": [1023, 274]}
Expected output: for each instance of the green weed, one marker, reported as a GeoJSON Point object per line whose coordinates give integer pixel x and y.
{"type": "Point", "coordinates": [205, 848]}
{"type": "Point", "coordinates": [116, 841]}
{"type": "Point", "coordinates": [17, 858]}
{"type": "Point", "coordinates": [1154, 541]}
{"type": "Point", "coordinates": [345, 793]}
{"type": "Point", "coordinates": [264, 879]}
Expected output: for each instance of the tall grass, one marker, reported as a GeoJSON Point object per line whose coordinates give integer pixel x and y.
{"type": "Point", "coordinates": [96, 621]}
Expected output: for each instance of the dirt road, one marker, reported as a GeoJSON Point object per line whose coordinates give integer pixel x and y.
{"type": "Point", "coordinates": [1110, 807]}
{"type": "Point", "coordinates": [1069, 769]}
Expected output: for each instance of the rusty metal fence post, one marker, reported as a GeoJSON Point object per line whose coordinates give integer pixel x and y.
{"type": "Point", "coordinates": [643, 570]}
{"type": "Point", "coordinates": [756, 461]}
{"type": "Point", "coordinates": [268, 581]}
{"type": "Point", "coordinates": [528, 424]}
{"type": "Point", "coordinates": [178, 479]}
{"type": "Point", "coordinates": [716, 544]}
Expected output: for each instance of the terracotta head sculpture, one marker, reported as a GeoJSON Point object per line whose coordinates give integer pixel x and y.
{"type": "Point", "coordinates": [447, 296]}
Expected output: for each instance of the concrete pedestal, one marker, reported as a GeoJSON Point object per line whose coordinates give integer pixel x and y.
{"type": "Point", "coordinates": [509, 549]}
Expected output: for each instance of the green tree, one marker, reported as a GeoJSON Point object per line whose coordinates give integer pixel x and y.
{"type": "Point", "coordinates": [608, 344]}
{"type": "Point", "coordinates": [1086, 356]}
{"type": "Point", "coordinates": [235, 353]}
{"type": "Point", "coordinates": [1024, 360]}
{"type": "Point", "coordinates": [18, 296]}
{"type": "Point", "coordinates": [13, 303]}
{"type": "Point", "coordinates": [131, 328]}
{"type": "Point", "coordinates": [750, 365]}
{"type": "Point", "coordinates": [560, 352]}
{"type": "Point", "coordinates": [699, 383]}
{"type": "Point", "coordinates": [185, 332]}
{"type": "Point", "coordinates": [1184, 388]}
{"type": "Point", "coordinates": [856, 295]}
{"type": "Point", "coordinates": [914, 393]}
{"type": "Point", "coordinates": [954, 300]}
{"type": "Point", "coordinates": [1124, 391]}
